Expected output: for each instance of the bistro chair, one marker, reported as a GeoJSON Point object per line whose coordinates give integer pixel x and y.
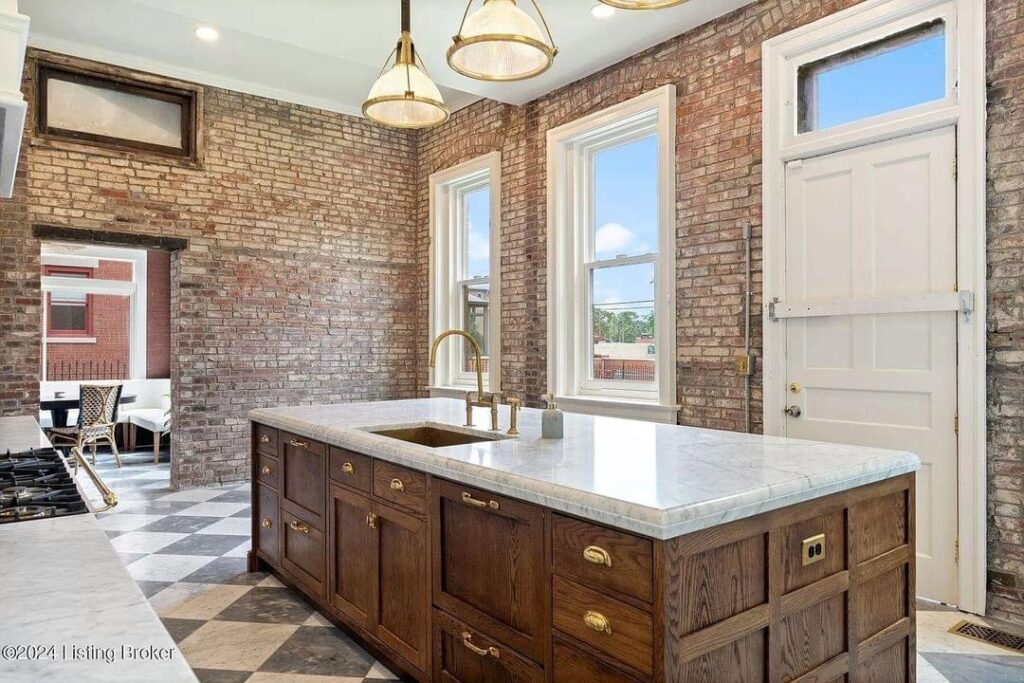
{"type": "Point", "coordinates": [97, 419]}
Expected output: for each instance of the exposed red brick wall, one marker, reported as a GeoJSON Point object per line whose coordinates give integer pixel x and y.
{"type": "Point", "coordinates": [158, 315]}
{"type": "Point", "coordinates": [717, 73]}
{"type": "Point", "coordinates": [1006, 307]}
{"type": "Point", "coordinates": [108, 356]}
{"type": "Point", "coordinates": [300, 283]}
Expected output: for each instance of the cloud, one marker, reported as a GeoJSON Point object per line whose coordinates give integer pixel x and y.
{"type": "Point", "coordinates": [613, 238]}
{"type": "Point", "coordinates": [478, 247]}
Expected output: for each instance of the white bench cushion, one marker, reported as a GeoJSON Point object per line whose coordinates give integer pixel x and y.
{"type": "Point", "coordinates": [153, 419]}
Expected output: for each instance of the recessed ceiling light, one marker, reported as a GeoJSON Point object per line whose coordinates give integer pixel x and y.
{"type": "Point", "coordinates": [207, 33]}
{"type": "Point", "coordinates": [602, 11]}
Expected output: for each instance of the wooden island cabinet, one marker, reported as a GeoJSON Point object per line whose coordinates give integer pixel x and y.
{"type": "Point", "coordinates": [456, 584]}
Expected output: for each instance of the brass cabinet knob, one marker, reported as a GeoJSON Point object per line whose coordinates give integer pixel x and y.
{"type": "Point", "coordinates": [299, 444]}
{"type": "Point", "coordinates": [298, 526]}
{"type": "Point", "coordinates": [264, 439]}
{"type": "Point", "coordinates": [467, 641]}
{"type": "Point", "coordinates": [266, 523]}
{"type": "Point", "coordinates": [468, 499]}
{"type": "Point", "coordinates": [265, 469]}
{"type": "Point", "coordinates": [597, 622]}
{"type": "Point", "coordinates": [397, 485]}
{"type": "Point", "coordinates": [347, 468]}
{"type": "Point", "coordinates": [597, 555]}
{"type": "Point", "coordinates": [371, 520]}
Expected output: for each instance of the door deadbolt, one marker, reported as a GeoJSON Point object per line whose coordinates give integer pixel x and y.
{"type": "Point", "coordinates": [795, 387]}
{"type": "Point", "coordinates": [792, 411]}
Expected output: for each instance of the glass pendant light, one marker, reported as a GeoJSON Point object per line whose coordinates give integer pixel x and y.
{"type": "Point", "coordinates": [642, 4]}
{"type": "Point", "coordinates": [500, 42]}
{"type": "Point", "coordinates": [404, 96]}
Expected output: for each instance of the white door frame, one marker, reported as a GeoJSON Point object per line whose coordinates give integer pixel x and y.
{"type": "Point", "coordinates": [964, 107]}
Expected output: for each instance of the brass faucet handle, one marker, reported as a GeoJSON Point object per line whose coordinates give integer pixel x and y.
{"type": "Point", "coordinates": [514, 404]}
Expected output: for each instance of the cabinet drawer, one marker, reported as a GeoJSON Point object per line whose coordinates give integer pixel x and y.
{"type": "Point", "coordinates": [400, 486]}
{"type": "Point", "coordinates": [572, 665]}
{"type": "Point", "coordinates": [464, 655]}
{"type": "Point", "coordinates": [266, 440]}
{"type": "Point", "coordinates": [351, 469]}
{"type": "Point", "coordinates": [268, 516]}
{"type": "Point", "coordinates": [268, 470]}
{"type": "Point", "coordinates": [606, 624]}
{"type": "Point", "coordinates": [304, 479]}
{"type": "Point", "coordinates": [303, 554]}
{"type": "Point", "coordinates": [600, 557]}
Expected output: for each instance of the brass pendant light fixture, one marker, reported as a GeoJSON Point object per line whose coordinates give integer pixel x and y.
{"type": "Point", "coordinates": [501, 42]}
{"type": "Point", "coordinates": [642, 4]}
{"type": "Point", "coordinates": [404, 96]}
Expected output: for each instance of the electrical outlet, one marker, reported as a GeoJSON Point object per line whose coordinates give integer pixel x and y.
{"type": "Point", "coordinates": [744, 364]}
{"type": "Point", "coordinates": [812, 549]}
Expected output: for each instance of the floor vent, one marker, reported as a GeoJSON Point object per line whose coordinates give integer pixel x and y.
{"type": "Point", "coordinates": [989, 635]}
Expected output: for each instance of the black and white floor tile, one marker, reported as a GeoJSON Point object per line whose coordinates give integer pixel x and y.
{"type": "Point", "coordinates": [187, 550]}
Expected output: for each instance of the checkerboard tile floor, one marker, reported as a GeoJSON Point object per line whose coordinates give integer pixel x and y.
{"type": "Point", "coordinates": [186, 550]}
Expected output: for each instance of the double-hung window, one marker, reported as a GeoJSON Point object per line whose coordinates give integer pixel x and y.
{"type": "Point", "coordinates": [611, 266]}
{"type": "Point", "coordinates": [465, 274]}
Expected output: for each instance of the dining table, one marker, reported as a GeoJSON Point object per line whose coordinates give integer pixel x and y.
{"type": "Point", "coordinates": [60, 406]}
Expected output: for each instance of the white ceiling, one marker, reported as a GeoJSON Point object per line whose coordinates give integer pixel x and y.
{"type": "Point", "coordinates": [327, 53]}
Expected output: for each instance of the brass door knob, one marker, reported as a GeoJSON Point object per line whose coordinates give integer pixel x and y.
{"type": "Point", "coordinates": [265, 469]}
{"type": "Point", "coordinates": [597, 555]}
{"type": "Point", "coordinates": [347, 468]}
{"type": "Point", "coordinates": [397, 485]}
{"type": "Point", "coordinates": [597, 622]}
{"type": "Point", "coordinates": [371, 520]}
{"type": "Point", "coordinates": [266, 523]}
{"type": "Point", "coordinates": [264, 439]}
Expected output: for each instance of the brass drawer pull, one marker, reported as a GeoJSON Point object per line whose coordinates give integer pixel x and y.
{"type": "Point", "coordinates": [298, 526]}
{"type": "Point", "coordinates": [264, 438]}
{"type": "Point", "coordinates": [266, 523]}
{"type": "Point", "coordinates": [470, 500]}
{"type": "Point", "coordinates": [597, 555]}
{"type": "Point", "coordinates": [299, 444]}
{"type": "Point", "coordinates": [467, 640]}
{"type": "Point", "coordinates": [347, 468]}
{"type": "Point", "coordinates": [397, 485]}
{"type": "Point", "coordinates": [371, 520]}
{"type": "Point", "coordinates": [597, 621]}
{"type": "Point", "coordinates": [265, 469]}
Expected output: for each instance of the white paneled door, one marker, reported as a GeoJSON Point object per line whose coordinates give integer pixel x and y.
{"type": "Point", "coordinates": [871, 346]}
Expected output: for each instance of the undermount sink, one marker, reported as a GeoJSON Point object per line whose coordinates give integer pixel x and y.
{"type": "Point", "coordinates": [434, 436]}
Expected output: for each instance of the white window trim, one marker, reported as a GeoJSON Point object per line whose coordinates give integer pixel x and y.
{"type": "Point", "coordinates": [963, 107]}
{"type": "Point", "coordinates": [447, 378]}
{"type": "Point", "coordinates": [137, 356]}
{"type": "Point", "coordinates": [568, 377]}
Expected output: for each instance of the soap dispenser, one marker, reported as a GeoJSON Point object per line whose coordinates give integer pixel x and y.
{"type": "Point", "coordinates": [551, 420]}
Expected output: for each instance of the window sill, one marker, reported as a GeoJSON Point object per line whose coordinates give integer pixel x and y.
{"type": "Point", "coordinates": [649, 411]}
{"type": "Point", "coordinates": [71, 340]}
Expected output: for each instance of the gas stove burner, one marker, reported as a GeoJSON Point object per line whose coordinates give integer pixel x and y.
{"type": "Point", "coordinates": [25, 512]}
{"type": "Point", "coordinates": [21, 493]}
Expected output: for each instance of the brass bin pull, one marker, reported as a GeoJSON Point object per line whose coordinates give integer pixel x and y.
{"type": "Point", "coordinates": [266, 523]}
{"type": "Point", "coordinates": [597, 555]}
{"type": "Point", "coordinates": [296, 526]}
{"type": "Point", "coordinates": [264, 439]}
{"type": "Point", "coordinates": [470, 500]}
{"type": "Point", "coordinates": [467, 640]}
{"type": "Point", "coordinates": [299, 444]}
{"type": "Point", "coordinates": [347, 468]}
{"type": "Point", "coordinates": [397, 485]}
{"type": "Point", "coordinates": [597, 621]}
{"type": "Point", "coordinates": [265, 469]}
{"type": "Point", "coordinates": [371, 520]}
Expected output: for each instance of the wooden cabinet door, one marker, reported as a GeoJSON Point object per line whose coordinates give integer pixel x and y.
{"type": "Point", "coordinates": [353, 557]}
{"type": "Point", "coordinates": [489, 565]}
{"type": "Point", "coordinates": [403, 602]}
{"type": "Point", "coordinates": [304, 487]}
{"type": "Point", "coordinates": [464, 655]}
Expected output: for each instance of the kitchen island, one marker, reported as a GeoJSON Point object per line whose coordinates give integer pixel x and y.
{"type": "Point", "coordinates": [627, 551]}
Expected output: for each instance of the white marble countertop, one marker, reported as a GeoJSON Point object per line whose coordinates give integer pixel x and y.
{"type": "Point", "coordinates": [655, 479]}
{"type": "Point", "coordinates": [66, 595]}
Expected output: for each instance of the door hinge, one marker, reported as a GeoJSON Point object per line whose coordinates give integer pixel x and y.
{"type": "Point", "coordinates": [956, 551]}
{"type": "Point", "coordinates": [954, 169]}
{"type": "Point", "coordinates": [956, 424]}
